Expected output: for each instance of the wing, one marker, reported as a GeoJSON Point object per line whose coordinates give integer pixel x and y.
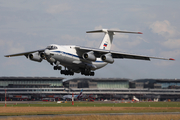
{"type": "Point", "coordinates": [24, 53]}
{"type": "Point", "coordinates": [99, 52]}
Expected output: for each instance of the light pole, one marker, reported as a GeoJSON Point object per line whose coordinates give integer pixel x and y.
{"type": "Point", "coordinates": [72, 98]}
{"type": "Point", "coordinates": [5, 97]}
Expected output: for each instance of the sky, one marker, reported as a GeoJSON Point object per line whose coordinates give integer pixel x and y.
{"type": "Point", "coordinates": [27, 25]}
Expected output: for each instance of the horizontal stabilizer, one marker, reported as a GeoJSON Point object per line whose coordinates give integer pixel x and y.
{"type": "Point", "coordinates": [106, 30]}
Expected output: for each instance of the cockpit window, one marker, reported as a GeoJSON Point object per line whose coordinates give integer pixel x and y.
{"type": "Point", "coordinates": [51, 47]}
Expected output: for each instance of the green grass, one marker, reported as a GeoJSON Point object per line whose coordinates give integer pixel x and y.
{"type": "Point", "coordinates": [43, 108]}
{"type": "Point", "coordinates": [95, 104]}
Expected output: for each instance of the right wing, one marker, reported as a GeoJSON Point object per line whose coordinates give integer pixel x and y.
{"type": "Point", "coordinates": [120, 55]}
{"type": "Point", "coordinates": [24, 53]}
{"type": "Point", "coordinates": [138, 57]}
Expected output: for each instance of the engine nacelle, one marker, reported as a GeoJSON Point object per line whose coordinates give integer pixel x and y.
{"type": "Point", "coordinates": [42, 55]}
{"type": "Point", "coordinates": [45, 54]}
{"type": "Point", "coordinates": [89, 56]}
{"type": "Point", "coordinates": [107, 58]}
{"type": "Point", "coordinates": [35, 57]}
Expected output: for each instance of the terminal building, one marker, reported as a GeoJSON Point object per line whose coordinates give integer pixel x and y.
{"type": "Point", "coordinates": [30, 82]}
{"type": "Point", "coordinates": [97, 83]}
{"type": "Point", "coordinates": [38, 88]}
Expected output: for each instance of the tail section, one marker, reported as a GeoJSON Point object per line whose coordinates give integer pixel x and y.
{"type": "Point", "coordinates": [108, 38]}
{"type": "Point", "coordinates": [80, 94]}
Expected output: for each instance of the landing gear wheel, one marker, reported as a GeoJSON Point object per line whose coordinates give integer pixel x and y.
{"type": "Point", "coordinates": [87, 72]}
{"type": "Point", "coordinates": [67, 72]}
{"type": "Point", "coordinates": [57, 67]}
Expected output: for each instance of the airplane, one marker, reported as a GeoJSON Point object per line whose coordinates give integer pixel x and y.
{"type": "Point", "coordinates": [84, 60]}
{"type": "Point", "coordinates": [70, 96]}
{"type": "Point", "coordinates": [90, 97]}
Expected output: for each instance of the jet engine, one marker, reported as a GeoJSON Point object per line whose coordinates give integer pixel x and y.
{"type": "Point", "coordinates": [89, 56]}
{"type": "Point", "coordinates": [35, 57]}
{"type": "Point", "coordinates": [47, 56]}
{"type": "Point", "coordinates": [107, 58]}
{"type": "Point", "coordinates": [44, 54]}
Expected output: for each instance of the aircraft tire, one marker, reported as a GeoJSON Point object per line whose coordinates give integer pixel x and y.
{"type": "Point", "coordinates": [92, 74]}
{"type": "Point", "coordinates": [55, 67]}
{"type": "Point", "coordinates": [59, 67]}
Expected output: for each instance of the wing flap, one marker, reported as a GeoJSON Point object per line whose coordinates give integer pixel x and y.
{"type": "Point", "coordinates": [128, 56]}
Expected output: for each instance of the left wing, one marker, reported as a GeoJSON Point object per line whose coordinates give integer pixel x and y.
{"type": "Point", "coordinates": [24, 53]}
{"type": "Point", "coordinates": [99, 52]}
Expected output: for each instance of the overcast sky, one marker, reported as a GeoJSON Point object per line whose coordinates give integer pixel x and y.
{"type": "Point", "coordinates": [34, 24]}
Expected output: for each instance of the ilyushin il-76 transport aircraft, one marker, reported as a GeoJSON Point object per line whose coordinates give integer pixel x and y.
{"type": "Point", "coordinates": [84, 60]}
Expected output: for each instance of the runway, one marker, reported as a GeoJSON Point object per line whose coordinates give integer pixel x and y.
{"type": "Point", "coordinates": [50, 115]}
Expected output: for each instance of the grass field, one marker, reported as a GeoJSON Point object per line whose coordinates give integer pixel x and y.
{"type": "Point", "coordinates": [53, 108]}
{"type": "Point", "coordinates": [94, 104]}
{"type": "Point", "coordinates": [43, 108]}
{"type": "Point", "coordinates": [105, 117]}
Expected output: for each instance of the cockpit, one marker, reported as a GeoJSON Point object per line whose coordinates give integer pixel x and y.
{"type": "Point", "coordinates": [51, 47]}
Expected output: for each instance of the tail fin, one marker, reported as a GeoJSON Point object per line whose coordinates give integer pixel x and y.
{"type": "Point", "coordinates": [108, 38]}
{"type": "Point", "coordinates": [80, 94]}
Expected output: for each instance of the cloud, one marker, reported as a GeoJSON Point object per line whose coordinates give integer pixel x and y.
{"type": "Point", "coordinates": [164, 63]}
{"type": "Point", "coordinates": [11, 47]}
{"type": "Point", "coordinates": [172, 43]}
{"type": "Point", "coordinates": [2, 43]}
{"type": "Point", "coordinates": [170, 33]}
{"type": "Point", "coordinates": [75, 40]}
{"type": "Point", "coordinates": [55, 9]}
{"type": "Point", "coordinates": [172, 54]}
{"type": "Point", "coordinates": [163, 28]}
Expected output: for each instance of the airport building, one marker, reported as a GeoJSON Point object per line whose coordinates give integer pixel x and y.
{"type": "Point", "coordinates": [38, 88]}
{"type": "Point", "coordinates": [97, 83]}
{"type": "Point", "coordinates": [30, 82]}
{"type": "Point", "coordinates": [30, 88]}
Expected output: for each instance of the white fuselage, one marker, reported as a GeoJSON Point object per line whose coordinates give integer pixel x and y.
{"type": "Point", "coordinates": [71, 58]}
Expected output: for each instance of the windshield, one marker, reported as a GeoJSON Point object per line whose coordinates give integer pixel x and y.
{"type": "Point", "coordinates": [51, 47]}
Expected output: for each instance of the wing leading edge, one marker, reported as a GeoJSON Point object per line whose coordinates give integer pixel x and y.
{"type": "Point", "coordinates": [99, 52]}
{"type": "Point", "coordinates": [24, 53]}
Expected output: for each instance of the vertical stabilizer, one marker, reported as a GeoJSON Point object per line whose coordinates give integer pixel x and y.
{"type": "Point", "coordinates": [108, 38]}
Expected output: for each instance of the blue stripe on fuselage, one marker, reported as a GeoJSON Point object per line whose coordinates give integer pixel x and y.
{"type": "Point", "coordinates": [72, 55]}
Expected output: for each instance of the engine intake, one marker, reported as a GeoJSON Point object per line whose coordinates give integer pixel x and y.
{"type": "Point", "coordinates": [42, 55]}
{"type": "Point", "coordinates": [89, 56]}
{"type": "Point", "coordinates": [107, 58]}
{"type": "Point", "coordinates": [35, 57]}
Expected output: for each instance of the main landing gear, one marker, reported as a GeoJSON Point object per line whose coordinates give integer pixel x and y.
{"type": "Point", "coordinates": [57, 67]}
{"type": "Point", "coordinates": [87, 72]}
{"type": "Point", "coordinates": [67, 72]}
